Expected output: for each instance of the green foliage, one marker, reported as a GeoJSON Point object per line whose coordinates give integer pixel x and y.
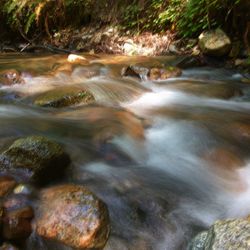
{"type": "Point", "coordinates": [26, 15]}
{"type": "Point", "coordinates": [186, 17]}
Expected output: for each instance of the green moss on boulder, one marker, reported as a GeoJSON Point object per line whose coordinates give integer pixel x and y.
{"type": "Point", "coordinates": [63, 97]}
{"type": "Point", "coordinates": [35, 157]}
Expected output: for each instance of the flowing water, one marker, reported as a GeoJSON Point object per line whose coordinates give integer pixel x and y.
{"type": "Point", "coordinates": [167, 157]}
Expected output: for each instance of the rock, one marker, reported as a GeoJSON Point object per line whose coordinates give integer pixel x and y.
{"type": "Point", "coordinates": [17, 223]}
{"type": "Point", "coordinates": [64, 96]}
{"type": "Point", "coordinates": [34, 157]}
{"type": "Point", "coordinates": [73, 216]}
{"type": "Point", "coordinates": [7, 184]}
{"type": "Point", "coordinates": [219, 91]}
{"type": "Point", "coordinates": [198, 243]}
{"type": "Point", "coordinates": [214, 43]}
{"type": "Point", "coordinates": [135, 71]}
{"type": "Point", "coordinates": [76, 59]}
{"type": "Point", "coordinates": [223, 158]}
{"type": "Point", "coordinates": [241, 129]}
{"type": "Point", "coordinates": [23, 189]}
{"type": "Point", "coordinates": [163, 74]}
{"type": "Point", "coordinates": [8, 246]}
{"type": "Point", "coordinates": [130, 48]}
{"type": "Point", "coordinates": [10, 77]}
{"type": "Point", "coordinates": [226, 234]}
{"type": "Point", "coordinates": [15, 202]}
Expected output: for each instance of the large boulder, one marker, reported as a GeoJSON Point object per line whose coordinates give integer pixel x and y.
{"type": "Point", "coordinates": [64, 96]}
{"type": "Point", "coordinates": [73, 216]}
{"type": "Point", "coordinates": [35, 157]}
{"type": "Point", "coordinates": [226, 234]}
{"type": "Point", "coordinates": [214, 43]}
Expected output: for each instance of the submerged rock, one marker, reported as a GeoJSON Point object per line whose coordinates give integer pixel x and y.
{"type": "Point", "coordinates": [73, 216]}
{"type": "Point", "coordinates": [7, 184]}
{"type": "Point", "coordinates": [10, 77]}
{"type": "Point", "coordinates": [17, 223]}
{"type": "Point", "coordinates": [226, 234]}
{"type": "Point", "coordinates": [220, 90]}
{"type": "Point", "coordinates": [163, 74]}
{"type": "Point", "coordinates": [8, 246]}
{"type": "Point", "coordinates": [135, 71]}
{"type": "Point", "coordinates": [64, 96]}
{"type": "Point", "coordinates": [34, 157]}
{"type": "Point", "coordinates": [214, 43]}
{"type": "Point", "coordinates": [155, 73]}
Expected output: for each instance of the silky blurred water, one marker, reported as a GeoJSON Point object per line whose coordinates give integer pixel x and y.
{"type": "Point", "coordinates": [143, 147]}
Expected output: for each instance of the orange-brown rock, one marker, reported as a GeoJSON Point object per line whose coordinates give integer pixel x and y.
{"type": "Point", "coordinates": [241, 130]}
{"type": "Point", "coordinates": [10, 77]}
{"type": "Point", "coordinates": [163, 74]}
{"type": "Point", "coordinates": [17, 223]}
{"type": "Point", "coordinates": [73, 216]}
{"type": "Point", "coordinates": [224, 158]}
{"type": "Point", "coordinates": [7, 184]}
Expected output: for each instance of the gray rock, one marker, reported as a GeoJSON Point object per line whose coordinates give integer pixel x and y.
{"type": "Point", "coordinates": [224, 235]}
{"type": "Point", "coordinates": [214, 43]}
{"type": "Point", "coordinates": [198, 243]}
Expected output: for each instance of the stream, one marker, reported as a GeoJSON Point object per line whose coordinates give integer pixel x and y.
{"type": "Point", "coordinates": [168, 157]}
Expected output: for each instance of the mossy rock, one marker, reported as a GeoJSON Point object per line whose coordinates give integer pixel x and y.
{"type": "Point", "coordinates": [63, 97]}
{"type": "Point", "coordinates": [36, 158]}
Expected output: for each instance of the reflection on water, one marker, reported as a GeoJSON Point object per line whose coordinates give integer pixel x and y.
{"type": "Point", "coordinates": [167, 160]}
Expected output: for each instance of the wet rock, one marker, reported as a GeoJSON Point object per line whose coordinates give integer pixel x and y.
{"type": "Point", "coordinates": [76, 59]}
{"type": "Point", "coordinates": [224, 158]}
{"type": "Point", "coordinates": [73, 216]}
{"type": "Point", "coordinates": [7, 184]}
{"type": "Point", "coordinates": [163, 74]}
{"type": "Point", "coordinates": [8, 246]}
{"type": "Point", "coordinates": [214, 43]}
{"type": "Point", "coordinates": [135, 71]}
{"type": "Point", "coordinates": [34, 157]}
{"type": "Point", "coordinates": [198, 243]}
{"type": "Point", "coordinates": [226, 234]}
{"type": "Point", "coordinates": [23, 189]}
{"type": "Point", "coordinates": [219, 91]}
{"type": "Point", "coordinates": [87, 71]}
{"type": "Point", "coordinates": [241, 129]}
{"type": "Point", "coordinates": [64, 96]}
{"type": "Point", "coordinates": [17, 223]}
{"type": "Point", "coordinates": [15, 202]}
{"type": "Point", "coordinates": [10, 77]}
